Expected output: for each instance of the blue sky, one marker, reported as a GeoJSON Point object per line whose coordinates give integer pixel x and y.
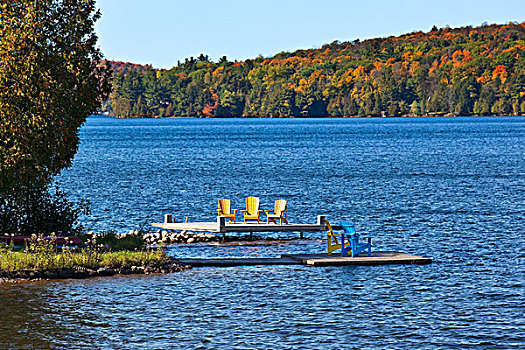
{"type": "Point", "coordinates": [160, 32]}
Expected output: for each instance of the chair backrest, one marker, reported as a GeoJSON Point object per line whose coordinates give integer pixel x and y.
{"type": "Point", "coordinates": [348, 227]}
{"type": "Point", "coordinates": [252, 205]}
{"type": "Point", "coordinates": [224, 206]}
{"type": "Point", "coordinates": [280, 206]}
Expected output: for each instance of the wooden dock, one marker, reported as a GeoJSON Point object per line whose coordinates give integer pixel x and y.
{"type": "Point", "coordinates": [220, 226]}
{"type": "Point", "coordinates": [377, 258]}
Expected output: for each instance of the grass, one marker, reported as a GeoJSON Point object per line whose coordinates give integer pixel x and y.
{"type": "Point", "coordinates": [117, 242]}
{"type": "Point", "coordinates": [42, 254]}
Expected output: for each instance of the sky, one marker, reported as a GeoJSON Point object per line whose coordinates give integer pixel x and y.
{"type": "Point", "coordinates": [162, 32]}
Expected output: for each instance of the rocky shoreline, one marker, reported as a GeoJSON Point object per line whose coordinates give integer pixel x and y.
{"type": "Point", "coordinates": [164, 237]}
{"type": "Point", "coordinates": [82, 273]}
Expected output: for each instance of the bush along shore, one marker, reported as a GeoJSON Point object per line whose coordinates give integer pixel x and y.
{"type": "Point", "coordinates": [102, 254]}
{"type": "Point", "coordinates": [42, 259]}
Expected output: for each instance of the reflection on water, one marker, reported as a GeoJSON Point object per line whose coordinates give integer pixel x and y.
{"type": "Point", "coordinates": [451, 189]}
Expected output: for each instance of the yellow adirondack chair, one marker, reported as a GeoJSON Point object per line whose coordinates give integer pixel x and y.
{"type": "Point", "coordinates": [279, 212]}
{"type": "Point", "coordinates": [252, 211]}
{"type": "Point", "coordinates": [332, 242]}
{"type": "Point", "coordinates": [225, 210]}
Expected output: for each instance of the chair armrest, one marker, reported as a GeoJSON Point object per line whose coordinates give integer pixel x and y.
{"type": "Point", "coordinates": [243, 211]}
{"type": "Point", "coordinates": [235, 210]}
{"type": "Point", "coordinates": [355, 235]}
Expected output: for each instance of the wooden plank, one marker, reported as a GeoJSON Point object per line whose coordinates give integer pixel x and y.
{"type": "Point", "coordinates": [221, 226]}
{"type": "Point", "coordinates": [273, 227]}
{"type": "Point", "coordinates": [228, 262]}
{"type": "Point", "coordinates": [249, 227]}
{"type": "Point", "coordinates": [189, 226]}
{"type": "Point", "coordinates": [377, 258]}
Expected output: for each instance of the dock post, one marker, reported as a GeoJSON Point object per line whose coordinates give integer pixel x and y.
{"type": "Point", "coordinates": [168, 218]}
{"type": "Point", "coordinates": [301, 234]}
{"type": "Point", "coordinates": [320, 220]}
{"type": "Point", "coordinates": [221, 223]}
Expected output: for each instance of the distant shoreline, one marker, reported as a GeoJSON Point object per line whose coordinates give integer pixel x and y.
{"type": "Point", "coordinates": [322, 117]}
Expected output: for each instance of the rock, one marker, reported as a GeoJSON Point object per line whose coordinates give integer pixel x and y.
{"type": "Point", "coordinates": [22, 274]}
{"type": "Point", "coordinates": [35, 274]}
{"type": "Point", "coordinates": [190, 240]}
{"type": "Point", "coordinates": [105, 271]}
{"type": "Point", "coordinates": [52, 275]}
{"type": "Point", "coordinates": [79, 274]}
{"type": "Point", "coordinates": [137, 269]}
{"type": "Point", "coordinates": [65, 273]}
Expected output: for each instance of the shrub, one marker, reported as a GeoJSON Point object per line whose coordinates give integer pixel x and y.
{"type": "Point", "coordinates": [37, 209]}
{"type": "Point", "coordinates": [113, 241]}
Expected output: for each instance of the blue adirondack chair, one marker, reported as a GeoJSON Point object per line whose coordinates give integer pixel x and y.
{"type": "Point", "coordinates": [351, 236]}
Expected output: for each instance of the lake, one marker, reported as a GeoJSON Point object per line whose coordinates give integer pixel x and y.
{"type": "Point", "coordinates": [447, 188]}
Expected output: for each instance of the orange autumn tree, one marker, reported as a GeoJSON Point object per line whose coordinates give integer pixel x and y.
{"type": "Point", "coordinates": [447, 71]}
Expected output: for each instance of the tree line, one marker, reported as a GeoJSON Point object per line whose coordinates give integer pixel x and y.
{"type": "Point", "coordinates": [461, 71]}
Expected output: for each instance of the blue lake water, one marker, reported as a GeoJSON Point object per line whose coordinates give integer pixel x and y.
{"type": "Point", "coordinates": [448, 188]}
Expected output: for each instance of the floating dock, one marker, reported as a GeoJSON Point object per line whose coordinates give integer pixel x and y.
{"type": "Point", "coordinates": [220, 226]}
{"type": "Point", "coordinates": [377, 258]}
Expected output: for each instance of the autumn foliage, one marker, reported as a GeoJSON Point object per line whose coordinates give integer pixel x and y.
{"type": "Point", "coordinates": [462, 71]}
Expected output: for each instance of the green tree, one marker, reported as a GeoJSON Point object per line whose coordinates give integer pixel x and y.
{"type": "Point", "coordinates": [447, 71]}
{"type": "Point", "coordinates": [51, 79]}
{"type": "Point", "coordinates": [415, 108]}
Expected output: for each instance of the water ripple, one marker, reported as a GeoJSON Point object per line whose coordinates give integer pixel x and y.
{"type": "Point", "coordinates": [448, 188]}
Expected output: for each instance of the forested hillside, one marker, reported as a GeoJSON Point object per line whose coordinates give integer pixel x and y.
{"type": "Point", "coordinates": [462, 71]}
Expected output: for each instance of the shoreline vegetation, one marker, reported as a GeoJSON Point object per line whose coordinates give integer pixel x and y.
{"type": "Point", "coordinates": [42, 259]}
{"type": "Point", "coordinates": [108, 254]}
{"type": "Point", "coordinates": [467, 71]}
{"type": "Point", "coordinates": [128, 264]}
{"type": "Point", "coordinates": [434, 115]}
